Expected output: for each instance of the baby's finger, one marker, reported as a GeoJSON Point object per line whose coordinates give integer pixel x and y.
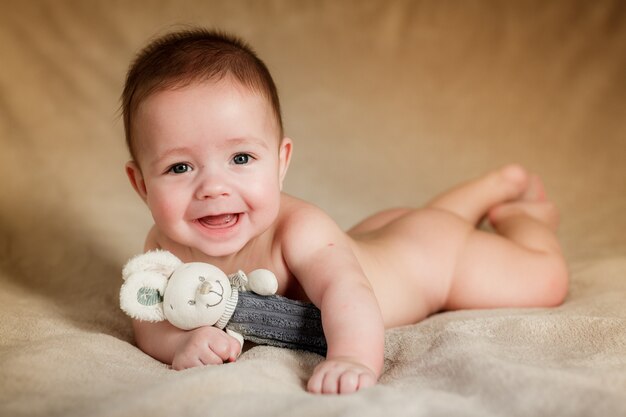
{"type": "Point", "coordinates": [330, 384]}
{"type": "Point", "coordinates": [349, 382]}
{"type": "Point", "coordinates": [227, 349]}
{"type": "Point", "coordinates": [235, 349]}
{"type": "Point", "coordinates": [315, 383]}
{"type": "Point", "coordinates": [222, 348]}
{"type": "Point", "coordinates": [366, 380]}
{"type": "Point", "coordinates": [185, 361]}
{"type": "Point", "coordinates": [208, 357]}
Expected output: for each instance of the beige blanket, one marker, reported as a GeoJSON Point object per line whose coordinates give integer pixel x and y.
{"type": "Point", "coordinates": [388, 102]}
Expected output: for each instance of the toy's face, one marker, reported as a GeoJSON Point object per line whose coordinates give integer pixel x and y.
{"type": "Point", "coordinates": [196, 295]}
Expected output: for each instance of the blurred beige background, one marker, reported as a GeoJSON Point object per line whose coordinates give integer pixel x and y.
{"type": "Point", "coordinates": [415, 97]}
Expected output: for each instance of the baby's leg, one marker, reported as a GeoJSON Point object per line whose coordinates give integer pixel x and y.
{"type": "Point", "coordinates": [470, 200]}
{"type": "Point", "coordinates": [521, 266]}
{"type": "Point", "coordinates": [473, 199]}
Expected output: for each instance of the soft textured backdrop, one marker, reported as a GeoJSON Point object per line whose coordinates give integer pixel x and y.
{"type": "Point", "coordinates": [388, 102]}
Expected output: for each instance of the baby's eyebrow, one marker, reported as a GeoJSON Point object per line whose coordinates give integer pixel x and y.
{"type": "Point", "coordinates": [179, 150]}
{"type": "Point", "coordinates": [246, 141]}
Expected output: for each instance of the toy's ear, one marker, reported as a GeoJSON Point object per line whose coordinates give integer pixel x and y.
{"type": "Point", "coordinates": [141, 296]}
{"type": "Point", "coordinates": [145, 278]}
{"type": "Point", "coordinates": [159, 261]}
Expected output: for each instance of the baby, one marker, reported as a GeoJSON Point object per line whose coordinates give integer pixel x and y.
{"type": "Point", "coordinates": [203, 126]}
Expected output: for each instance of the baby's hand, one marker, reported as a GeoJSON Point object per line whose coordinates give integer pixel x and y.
{"type": "Point", "coordinates": [205, 346]}
{"type": "Point", "coordinates": [340, 376]}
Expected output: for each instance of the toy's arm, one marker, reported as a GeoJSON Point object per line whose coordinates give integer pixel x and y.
{"type": "Point", "coordinates": [259, 281]}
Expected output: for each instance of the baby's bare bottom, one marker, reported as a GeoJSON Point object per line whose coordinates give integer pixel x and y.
{"type": "Point", "coordinates": [420, 261]}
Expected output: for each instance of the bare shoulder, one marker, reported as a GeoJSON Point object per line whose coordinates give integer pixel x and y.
{"type": "Point", "coordinates": [304, 228]}
{"type": "Point", "coordinates": [295, 207]}
{"type": "Point", "coordinates": [300, 219]}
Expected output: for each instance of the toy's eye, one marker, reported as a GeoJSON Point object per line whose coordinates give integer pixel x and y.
{"type": "Point", "coordinates": [201, 278]}
{"type": "Point", "coordinates": [191, 303]}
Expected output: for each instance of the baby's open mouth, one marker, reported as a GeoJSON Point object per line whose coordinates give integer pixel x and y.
{"type": "Point", "coordinates": [219, 221]}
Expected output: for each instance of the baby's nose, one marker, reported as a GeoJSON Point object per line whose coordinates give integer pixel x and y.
{"type": "Point", "coordinates": [212, 186]}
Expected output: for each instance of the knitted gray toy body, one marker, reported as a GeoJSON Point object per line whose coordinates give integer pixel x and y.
{"type": "Point", "coordinates": [278, 321]}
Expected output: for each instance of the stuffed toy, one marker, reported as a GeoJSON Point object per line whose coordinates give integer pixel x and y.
{"type": "Point", "coordinates": [158, 286]}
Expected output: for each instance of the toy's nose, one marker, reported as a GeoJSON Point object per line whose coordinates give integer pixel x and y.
{"type": "Point", "coordinates": [210, 294]}
{"type": "Point", "coordinates": [205, 287]}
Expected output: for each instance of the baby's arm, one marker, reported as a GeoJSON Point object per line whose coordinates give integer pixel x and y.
{"type": "Point", "coordinates": [184, 349]}
{"type": "Point", "coordinates": [320, 256]}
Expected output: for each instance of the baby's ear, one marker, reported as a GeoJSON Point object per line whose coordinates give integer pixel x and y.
{"type": "Point", "coordinates": [141, 296]}
{"type": "Point", "coordinates": [284, 155]}
{"type": "Point", "coordinates": [136, 179]}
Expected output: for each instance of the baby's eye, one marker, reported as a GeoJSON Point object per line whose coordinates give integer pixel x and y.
{"type": "Point", "coordinates": [241, 158]}
{"type": "Point", "coordinates": [179, 168]}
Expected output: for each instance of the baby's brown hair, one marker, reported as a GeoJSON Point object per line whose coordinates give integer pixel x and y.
{"type": "Point", "coordinates": [181, 58]}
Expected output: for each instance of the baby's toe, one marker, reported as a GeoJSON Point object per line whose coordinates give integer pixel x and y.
{"type": "Point", "coordinates": [535, 191]}
{"type": "Point", "coordinates": [513, 179]}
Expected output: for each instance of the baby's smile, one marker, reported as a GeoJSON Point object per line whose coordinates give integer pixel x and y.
{"type": "Point", "coordinates": [220, 226]}
{"type": "Point", "coordinates": [219, 221]}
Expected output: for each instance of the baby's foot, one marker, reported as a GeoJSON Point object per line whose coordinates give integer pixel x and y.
{"type": "Point", "coordinates": [533, 203]}
{"type": "Point", "coordinates": [473, 199]}
{"type": "Point", "coordinates": [500, 186]}
{"type": "Point", "coordinates": [512, 181]}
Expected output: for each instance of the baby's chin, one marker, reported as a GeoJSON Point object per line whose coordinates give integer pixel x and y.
{"type": "Point", "coordinates": [228, 248]}
{"type": "Point", "coordinates": [205, 251]}
{"type": "Point", "coordinates": [219, 251]}
{"type": "Point", "coordinates": [193, 251]}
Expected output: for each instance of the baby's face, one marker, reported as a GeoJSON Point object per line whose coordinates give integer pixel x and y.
{"type": "Point", "coordinates": [211, 164]}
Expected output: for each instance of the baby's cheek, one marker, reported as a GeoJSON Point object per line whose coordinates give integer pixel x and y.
{"type": "Point", "coordinates": [166, 212]}
{"type": "Point", "coordinates": [266, 206]}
